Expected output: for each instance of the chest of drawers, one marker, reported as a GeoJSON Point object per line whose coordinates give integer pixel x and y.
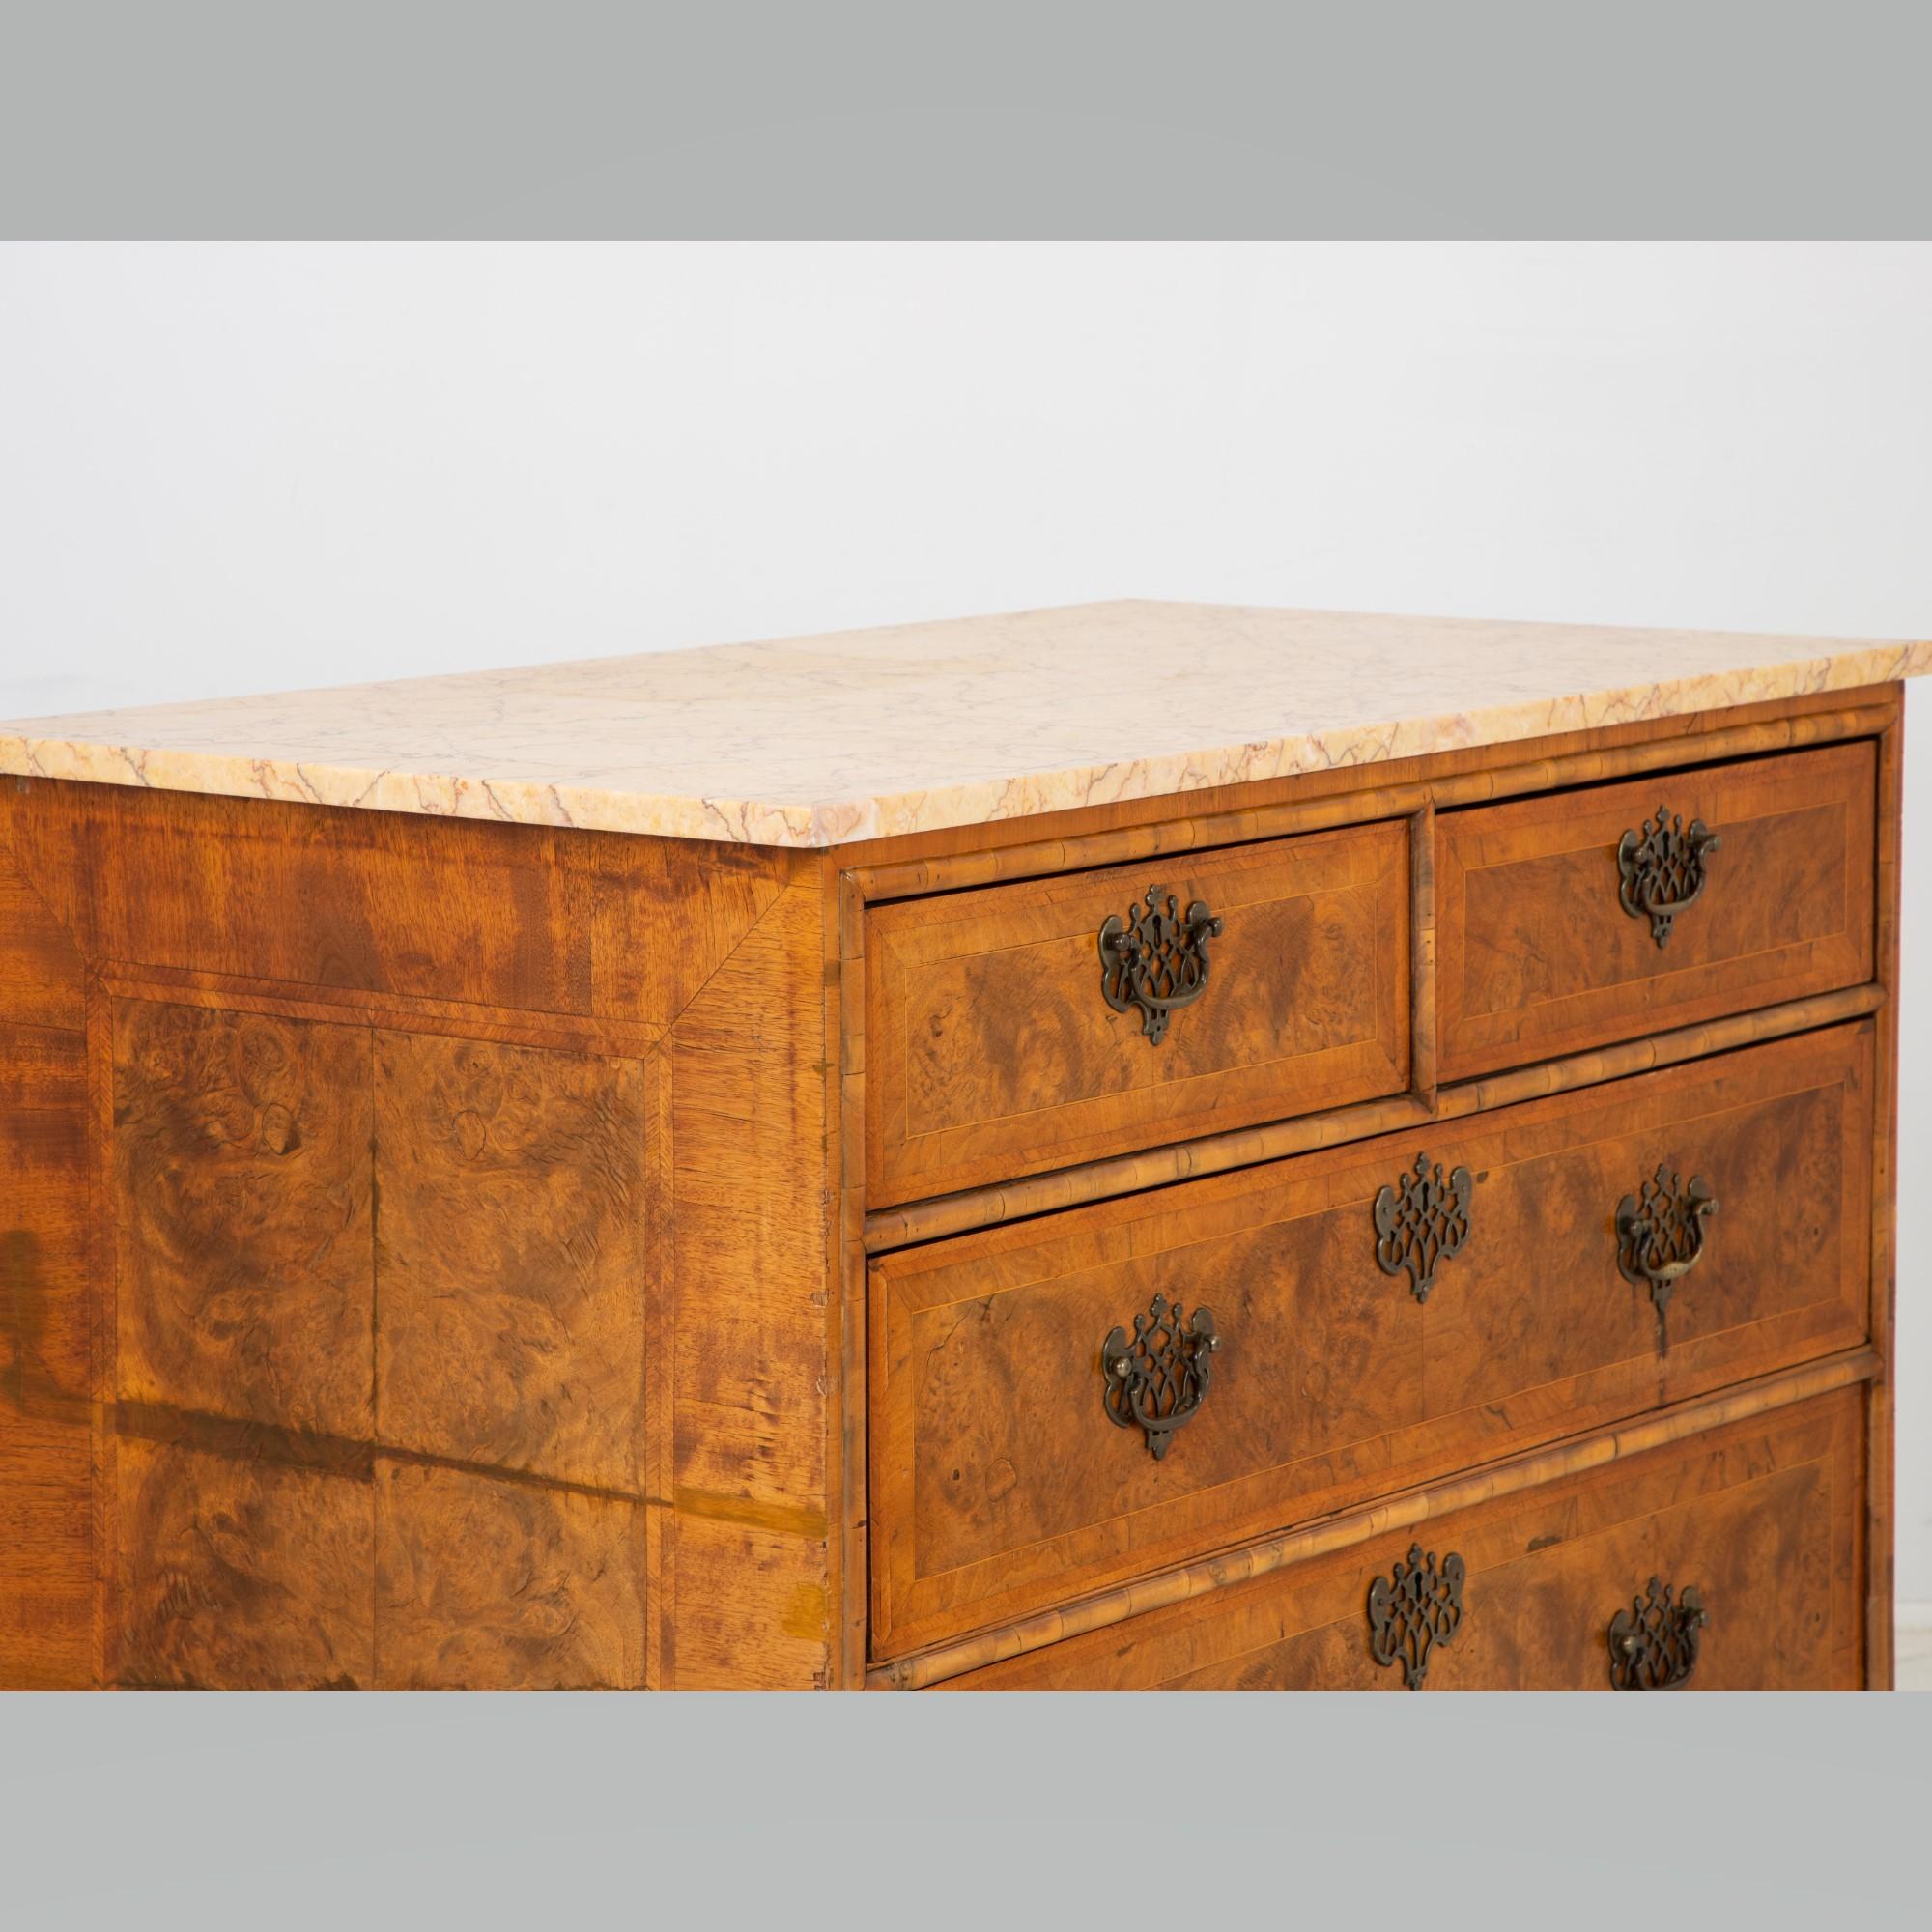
{"type": "Point", "coordinates": [1137, 1146]}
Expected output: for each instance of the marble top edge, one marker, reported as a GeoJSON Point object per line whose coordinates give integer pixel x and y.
{"type": "Point", "coordinates": [821, 740]}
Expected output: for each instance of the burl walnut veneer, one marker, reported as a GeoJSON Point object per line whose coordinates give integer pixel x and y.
{"type": "Point", "coordinates": [1136, 1146]}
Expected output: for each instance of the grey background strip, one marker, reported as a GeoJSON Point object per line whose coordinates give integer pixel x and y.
{"type": "Point", "coordinates": [1060, 118]}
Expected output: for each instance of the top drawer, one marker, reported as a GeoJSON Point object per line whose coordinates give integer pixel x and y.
{"type": "Point", "coordinates": [1537, 954]}
{"type": "Point", "coordinates": [993, 1050]}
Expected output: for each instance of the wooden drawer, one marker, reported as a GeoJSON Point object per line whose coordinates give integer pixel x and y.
{"type": "Point", "coordinates": [1001, 1484]}
{"type": "Point", "coordinates": [1536, 955]}
{"type": "Point", "coordinates": [1763, 1519]}
{"type": "Point", "coordinates": [992, 1050]}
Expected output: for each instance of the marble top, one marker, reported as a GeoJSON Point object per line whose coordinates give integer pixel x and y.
{"type": "Point", "coordinates": [861, 734]}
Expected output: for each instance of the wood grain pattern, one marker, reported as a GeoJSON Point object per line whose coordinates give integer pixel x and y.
{"type": "Point", "coordinates": [1763, 1517]}
{"type": "Point", "coordinates": [242, 1574]}
{"type": "Point", "coordinates": [173, 1513]}
{"type": "Point", "coordinates": [317, 970]}
{"type": "Point", "coordinates": [755, 1466]}
{"type": "Point", "coordinates": [1879, 1480]}
{"type": "Point", "coordinates": [1219, 1153]}
{"type": "Point", "coordinates": [992, 1053]}
{"type": "Point", "coordinates": [46, 1569]}
{"type": "Point", "coordinates": [490, 1585]}
{"type": "Point", "coordinates": [45, 1336]}
{"type": "Point", "coordinates": [845, 1164]}
{"type": "Point", "coordinates": [1412, 1510]}
{"type": "Point", "coordinates": [42, 971]}
{"type": "Point", "coordinates": [537, 919]}
{"type": "Point", "coordinates": [998, 1485]}
{"type": "Point", "coordinates": [755, 1604]}
{"type": "Point", "coordinates": [46, 1573]}
{"type": "Point", "coordinates": [1421, 1000]}
{"type": "Point", "coordinates": [243, 1188]}
{"type": "Point", "coordinates": [513, 1259]}
{"type": "Point", "coordinates": [1536, 956]}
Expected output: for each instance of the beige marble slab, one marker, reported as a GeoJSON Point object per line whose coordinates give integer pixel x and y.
{"type": "Point", "coordinates": [820, 741]}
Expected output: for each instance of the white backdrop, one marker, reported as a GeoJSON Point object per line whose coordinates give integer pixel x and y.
{"type": "Point", "coordinates": [228, 468]}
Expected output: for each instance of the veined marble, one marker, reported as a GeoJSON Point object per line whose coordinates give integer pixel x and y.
{"type": "Point", "coordinates": [862, 734]}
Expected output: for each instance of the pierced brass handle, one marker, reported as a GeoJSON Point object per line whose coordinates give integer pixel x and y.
{"type": "Point", "coordinates": [1415, 1608]}
{"type": "Point", "coordinates": [1653, 1643]}
{"type": "Point", "coordinates": [1158, 1380]}
{"type": "Point", "coordinates": [1660, 1232]}
{"type": "Point", "coordinates": [1422, 1223]}
{"type": "Point", "coordinates": [1663, 868]}
{"type": "Point", "coordinates": [1155, 959]}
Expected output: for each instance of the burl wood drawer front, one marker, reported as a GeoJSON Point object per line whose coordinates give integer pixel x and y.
{"type": "Point", "coordinates": [1003, 1484]}
{"type": "Point", "coordinates": [992, 1049]}
{"type": "Point", "coordinates": [1538, 956]}
{"type": "Point", "coordinates": [1756, 1528]}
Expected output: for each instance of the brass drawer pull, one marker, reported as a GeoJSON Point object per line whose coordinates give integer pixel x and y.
{"type": "Point", "coordinates": [1158, 1380]}
{"type": "Point", "coordinates": [1663, 868]}
{"type": "Point", "coordinates": [1155, 960]}
{"type": "Point", "coordinates": [1660, 1232]}
{"type": "Point", "coordinates": [1413, 1609]}
{"type": "Point", "coordinates": [1653, 1643]}
{"type": "Point", "coordinates": [1423, 1223]}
